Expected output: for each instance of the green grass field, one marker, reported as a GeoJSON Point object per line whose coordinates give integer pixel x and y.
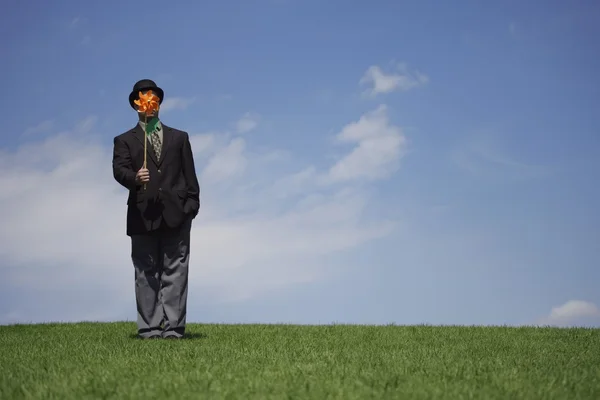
{"type": "Point", "coordinates": [98, 360]}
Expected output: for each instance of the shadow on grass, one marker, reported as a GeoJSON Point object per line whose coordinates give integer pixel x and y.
{"type": "Point", "coordinates": [187, 336]}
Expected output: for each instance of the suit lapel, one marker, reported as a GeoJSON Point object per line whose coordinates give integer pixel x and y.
{"type": "Point", "coordinates": [167, 136]}
{"type": "Point", "coordinates": [139, 133]}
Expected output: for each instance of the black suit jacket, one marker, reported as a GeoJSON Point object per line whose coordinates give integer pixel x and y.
{"type": "Point", "coordinates": [172, 197]}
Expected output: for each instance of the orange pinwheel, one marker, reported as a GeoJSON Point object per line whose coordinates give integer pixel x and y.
{"type": "Point", "coordinates": [147, 103]}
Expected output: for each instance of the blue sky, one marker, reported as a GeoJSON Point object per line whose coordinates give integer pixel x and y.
{"type": "Point", "coordinates": [361, 162]}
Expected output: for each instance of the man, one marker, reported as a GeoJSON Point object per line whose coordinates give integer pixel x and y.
{"type": "Point", "coordinates": [163, 200]}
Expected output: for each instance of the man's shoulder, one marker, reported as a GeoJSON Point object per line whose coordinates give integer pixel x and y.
{"type": "Point", "coordinates": [124, 135]}
{"type": "Point", "coordinates": [172, 130]}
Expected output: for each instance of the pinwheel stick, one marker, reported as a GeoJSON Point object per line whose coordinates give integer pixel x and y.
{"type": "Point", "coordinates": [148, 104]}
{"type": "Point", "coordinates": [145, 144]}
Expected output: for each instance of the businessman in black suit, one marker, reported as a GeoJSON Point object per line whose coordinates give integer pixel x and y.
{"type": "Point", "coordinates": [163, 200]}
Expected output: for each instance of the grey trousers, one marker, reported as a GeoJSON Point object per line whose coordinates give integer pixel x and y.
{"type": "Point", "coordinates": [161, 262]}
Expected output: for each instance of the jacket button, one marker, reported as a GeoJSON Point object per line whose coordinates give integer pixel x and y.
{"type": "Point", "coordinates": [159, 171]}
{"type": "Point", "coordinates": [160, 189]}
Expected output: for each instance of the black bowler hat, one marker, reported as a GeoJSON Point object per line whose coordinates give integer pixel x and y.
{"type": "Point", "coordinates": [142, 86]}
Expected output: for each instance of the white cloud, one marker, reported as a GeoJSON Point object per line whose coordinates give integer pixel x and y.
{"type": "Point", "coordinates": [378, 148]}
{"type": "Point", "coordinates": [63, 220]}
{"type": "Point", "coordinates": [85, 125]}
{"type": "Point", "coordinates": [203, 142]}
{"type": "Point", "coordinates": [482, 156]}
{"type": "Point", "coordinates": [294, 184]}
{"type": "Point", "coordinates": [175, 103]}
{"type": "Point", "coordinates": [380, 82]}
{"type": "Point", "coordinates": [42, 127]}
{"type": "Point", "coordinates": [572, 313]}
{"type": "Point", "coordinates": [247, 122]}
{"type": "Point", "coordinates": [225, 164]}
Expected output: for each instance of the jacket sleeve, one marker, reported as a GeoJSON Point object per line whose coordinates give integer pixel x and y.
{"type": "Point", "coordinates": [122, 167]}
{"type": "Point", "coordinates": [189, 172]}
